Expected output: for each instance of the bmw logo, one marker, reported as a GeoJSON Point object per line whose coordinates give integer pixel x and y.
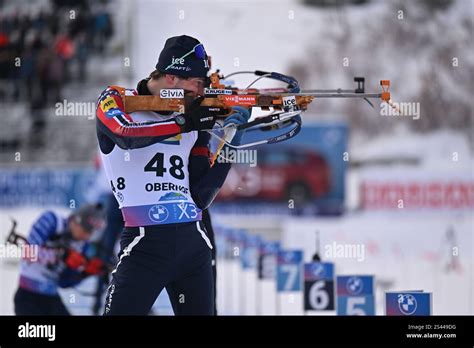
{"type": "Point", "coordinates": [407, 304]}
{"type": "Point", "coordinates": [354, 285]}
{"type": "Point", "coordinates": [318, 270]}
{"type": "Point", "coordinates": [120, 196]}
{"type": "Point", "coordinates": [158, 213]}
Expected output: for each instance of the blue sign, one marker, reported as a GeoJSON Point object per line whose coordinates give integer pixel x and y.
{"type": "Point", "coordinates": [319, 286]}
{"type": "Point", "coordinates": [289, 270]}
{"type": "Point", "coordinates": [44, 187]}
{"type": "Point", "coordinates": [251, 245]}
{"type": "Point", "coordinates": [355, 295]}
{"type": "Point", "coordinates": [267, 260]}
{"type": "Point", "coordinates": [408, 303]}
{"type": "Point", "coordinates": [221, 236]}
{"type": "Point", "coordinates": [235, 241]}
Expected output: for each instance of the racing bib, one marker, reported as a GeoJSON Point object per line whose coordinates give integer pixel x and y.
{"type": "Point", "coordinates": [151, 184]}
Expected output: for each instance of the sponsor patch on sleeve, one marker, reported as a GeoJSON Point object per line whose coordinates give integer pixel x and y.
{"type": "Point", "coordinates": [108, 104]}
{"type": "Point", "coordinates": [113, 112]}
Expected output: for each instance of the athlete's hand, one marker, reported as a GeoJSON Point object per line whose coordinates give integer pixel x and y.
{"type": "Point", "coordinates": [94, 266]}
{"type": "Point", "coordinates": [294, 89]}
{"type": "Point", "coordinates": [198, 117]}
{"type": "Point", "coordinates": [240, 116]}
{"type": "Point", "coordinates": [74, 259]}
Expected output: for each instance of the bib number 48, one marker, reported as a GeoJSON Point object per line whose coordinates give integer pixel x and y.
{"type": "Point", "coordinates": [156, 164]}
{"type": "Point", "coordinates": [120, 184]}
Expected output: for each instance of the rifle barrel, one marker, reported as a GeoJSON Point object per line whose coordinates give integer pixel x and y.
{"type": "Point", "coordinates": [335, 95]}
{"type": "Point", "coordinates": [335, 90]}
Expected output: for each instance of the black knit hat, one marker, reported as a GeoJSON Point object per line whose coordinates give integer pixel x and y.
{"type": "Point", "coordinates": [91, 217]}
{"type": "Point", "coordinates": [183, 56]}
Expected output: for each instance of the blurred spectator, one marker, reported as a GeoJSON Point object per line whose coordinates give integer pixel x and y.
{"type": "Point", "coordinates": [39, 52]}
{"type": "Point", "coordinates": [82, 55]}
{"type": "Point", "coordinates": [103, 29]}
{"type": "Point", "coordinates": [63, 52]}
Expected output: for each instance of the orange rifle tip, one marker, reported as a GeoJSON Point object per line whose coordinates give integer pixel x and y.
{"type": "Point", "coordinates": [385, 96]}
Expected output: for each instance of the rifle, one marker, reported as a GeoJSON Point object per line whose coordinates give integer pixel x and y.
{"type": "Point", "coordinates": [13, 237]}
{"type": "Point", "coordinates": [16, 239]}
{"type": "Point", "coordinates": [59, 244]}
{"type": "Point", "coordinates": [285, 104]}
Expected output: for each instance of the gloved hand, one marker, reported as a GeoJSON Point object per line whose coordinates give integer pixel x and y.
{"type": "Point", "coordinates": [94, 266]}
{"type": "Point", "coordinates": [74, 259]}
{"type": "Point", "coordinates": [294, 89]}
{"type": "Point", "coordinates": [198, 117]}
{"type": "Point", "coordinates": [240, 116]}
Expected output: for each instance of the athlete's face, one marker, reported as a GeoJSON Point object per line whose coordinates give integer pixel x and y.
{"type": "Point", "coordinates": [193, 86]}
{"type": "Point", "coordinates": [78, 232]}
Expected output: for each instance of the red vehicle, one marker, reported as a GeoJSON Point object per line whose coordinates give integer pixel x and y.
{"type": "Point", "coordinates": [282, 173]}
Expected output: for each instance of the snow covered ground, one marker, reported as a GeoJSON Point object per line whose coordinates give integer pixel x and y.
{"type": "Point", "coordinates": [429, 250]}
{"type": "Point", "coordinates": [403, 251]}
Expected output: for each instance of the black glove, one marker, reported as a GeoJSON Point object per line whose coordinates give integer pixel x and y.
{"type": "Point", "coordinates": [197, 117]}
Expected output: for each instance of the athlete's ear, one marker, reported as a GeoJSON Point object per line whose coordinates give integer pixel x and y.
{"type": "Point", "coordinates": [171, 80]}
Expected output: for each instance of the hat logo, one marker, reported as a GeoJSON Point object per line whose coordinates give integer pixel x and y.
{"type": "Point", "coordinates": [179, 61]}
